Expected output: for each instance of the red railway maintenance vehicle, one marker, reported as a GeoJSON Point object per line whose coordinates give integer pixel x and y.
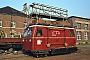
{"type": "Point", "coordinates": [43, 37]}
{"type": "Point", "coordinates": [40, 39]}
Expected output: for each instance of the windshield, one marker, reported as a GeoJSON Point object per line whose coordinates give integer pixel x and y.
{"type": "Point", "coordinates": [27, 32]}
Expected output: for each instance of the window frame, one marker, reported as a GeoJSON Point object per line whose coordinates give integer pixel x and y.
{"type": "Point", "coordinates": [72, 33]}
{"type": "Point", "coordinates": [28, 32]}
{"type": "Point", "coordinates": [79, 36]}
{"type": "Point", "coordinates": [13, 24]}
{"type": "Point", "coordinates": [85, 26]}
{"type": "Point", "coordinates": [86, 37]}
{"type": "Point", "coordinates": [39, 31]}
{"type": "Point", "coordinates": [78, 26]}
{"type": "Point", "coordinates": [0, 23]}
{"type": "Point", "coordinates": [25, 25]}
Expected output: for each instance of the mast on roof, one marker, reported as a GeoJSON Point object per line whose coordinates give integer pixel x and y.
{"type": "Point", "coordinates": [38, 11]}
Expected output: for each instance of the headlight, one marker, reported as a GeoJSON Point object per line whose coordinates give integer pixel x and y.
{"type": "Point", "coordinates": [23, 40]}
{"type": "Point", "coordinates": [30, 40]}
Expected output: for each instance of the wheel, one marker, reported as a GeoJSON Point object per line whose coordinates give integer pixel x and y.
{"type": "Point", "coordinates": [45, 55]}
{"type": "Point", "coordinates": [36, 55]}
{"type": "Point", "coordinates": [15, 52]}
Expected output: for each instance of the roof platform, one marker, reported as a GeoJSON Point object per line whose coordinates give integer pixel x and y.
{"type": "Point", "coordinates": [38, 10]}
{"type": "Point", "coordinates": [46, 15]}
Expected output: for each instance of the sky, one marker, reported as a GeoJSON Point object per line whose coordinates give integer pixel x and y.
{"type": "Point", "coordinates": [79, 8]}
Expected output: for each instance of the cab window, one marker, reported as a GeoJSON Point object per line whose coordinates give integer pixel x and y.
{"type": "Point", "coordinates": [71, 33]}
{"type": "Point", "coordinates": [28, 32]}
{"type": "Point", "coordinates": [39, 32]}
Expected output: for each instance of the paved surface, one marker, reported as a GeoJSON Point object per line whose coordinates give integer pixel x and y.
{"type": "Point", "coordinates": [82, 54]}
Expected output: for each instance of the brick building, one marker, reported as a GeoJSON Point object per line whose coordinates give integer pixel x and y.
{"type": "Point", "coordinates": [12, 22]}
{"type": "Point", "coordinates": [82, 26]}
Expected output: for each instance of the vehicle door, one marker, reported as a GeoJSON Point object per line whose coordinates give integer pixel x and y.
{"type": "Point", "coordinates": [39, 39]}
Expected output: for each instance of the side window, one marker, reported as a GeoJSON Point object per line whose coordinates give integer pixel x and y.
{"type": "Point", "coordinates": [39, 32]}
{"type": "Point", "coordinates": [71, 33]}
{"type": "Point", "coordinates": [13, 24]}
{"type": "Point", "coordinates": [24, 24]}
{"type": "Point", "coordinates": [0, 23]}
{"type": "Point", "coordinates": [30, 32]}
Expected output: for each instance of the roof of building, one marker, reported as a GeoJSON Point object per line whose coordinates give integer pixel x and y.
{"type": "Point", "coordinates": [79, 17]}
{"type": "Point", "coordinates": [11, 11]}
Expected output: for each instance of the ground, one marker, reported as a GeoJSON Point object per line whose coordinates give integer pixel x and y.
{"type": "Point", "coordinates": [82, 54]}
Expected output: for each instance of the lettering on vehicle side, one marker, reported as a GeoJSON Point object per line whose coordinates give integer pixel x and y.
{"type": "Point", "coordinates": [55, 33]}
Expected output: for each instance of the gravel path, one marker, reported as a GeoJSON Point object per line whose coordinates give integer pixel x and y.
{"type": "Point", "coordinates": [82, 54]}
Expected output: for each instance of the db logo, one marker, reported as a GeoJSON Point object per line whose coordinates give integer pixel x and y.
{"type": "Point", "coordinates": [55, 33]}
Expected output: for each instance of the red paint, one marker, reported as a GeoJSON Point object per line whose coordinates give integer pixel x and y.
{"type": "Point", "coordinates": [57, 37]}
{"type": "Point", "coordinates": [4, 41]}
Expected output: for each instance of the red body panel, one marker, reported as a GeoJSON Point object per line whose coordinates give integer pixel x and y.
{"type": "Point", "coordinates": [27, 44]}
{"type": "Point", "coordinates": [10, 41]}
{"type": "Point", "coordinates": [55, 37]}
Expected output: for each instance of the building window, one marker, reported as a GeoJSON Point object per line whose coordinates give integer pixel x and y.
{"type": "Point", "coordinates": [78, 35]}
{"type": "Point", "coordinates": [0, 23]}
{"type": "Point", "coordinates": [24, 24]}
{"type": "Point", "coordinates": [13, 24]}
{"type": "Point", "coordinates": [85, 26]}
{"type": "Point", "coordinates": [85, 35]}
{"type": "Point", "coordinates": [78, 26]}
